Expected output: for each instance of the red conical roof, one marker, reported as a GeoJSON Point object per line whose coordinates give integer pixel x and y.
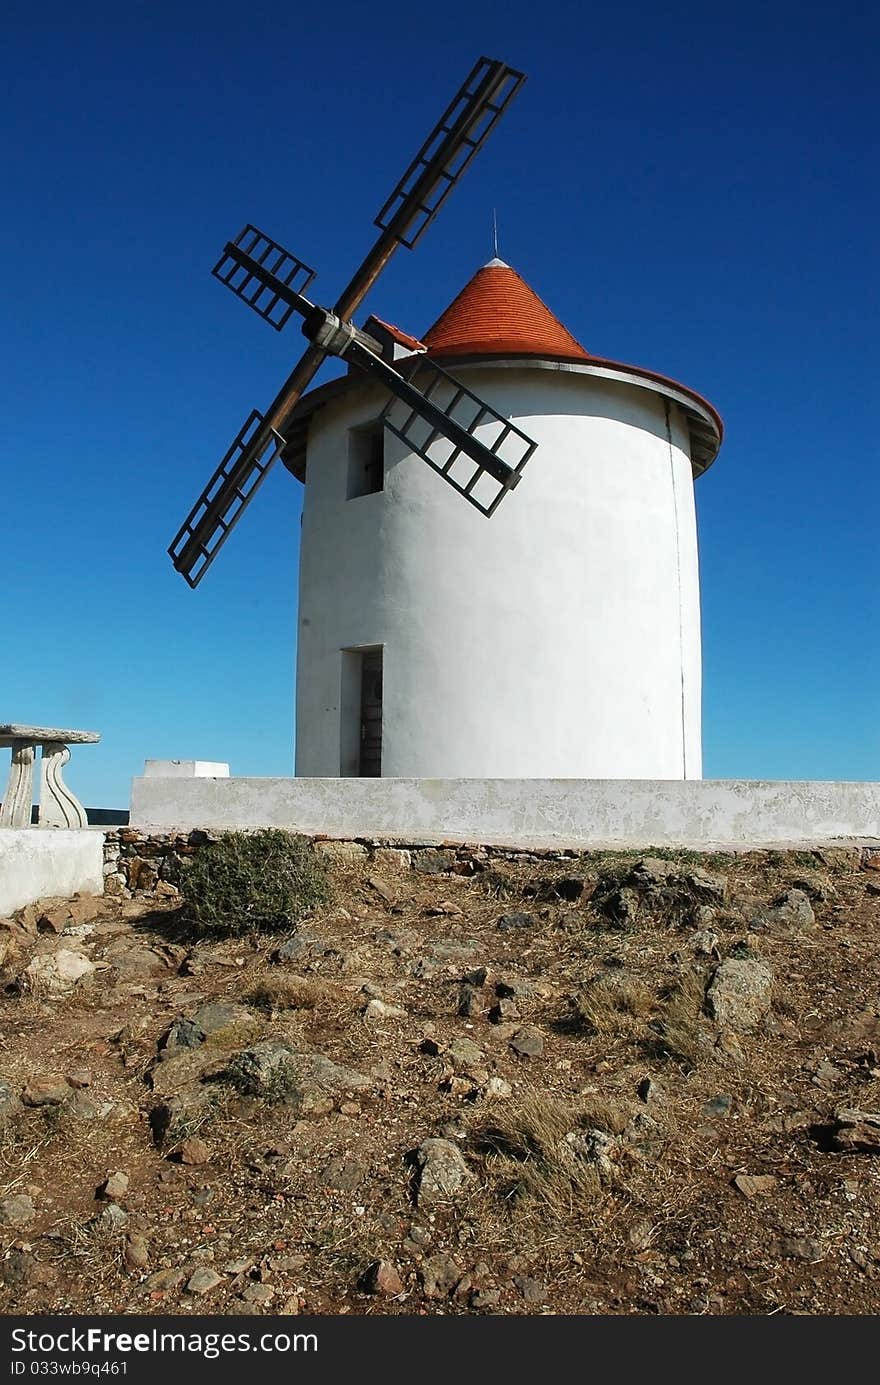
{"type": "Point", "coordinates": [497, 314]}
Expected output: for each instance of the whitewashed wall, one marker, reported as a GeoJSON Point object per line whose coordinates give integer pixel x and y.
{"type": "Point", "coordinates": [561, 637]}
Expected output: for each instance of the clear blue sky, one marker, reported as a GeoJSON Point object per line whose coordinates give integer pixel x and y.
{"type": "Point", "coordinates": [690, 187]}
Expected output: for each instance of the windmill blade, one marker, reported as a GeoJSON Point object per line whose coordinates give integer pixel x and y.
{"type": "Point", "coordinates": [264, 275]}
{"type": "Point", "coordinates": [445, 154]}
{"type": "Point", "coordinates": [439, 164]}
{"type": "Point", "coordinates": [438, 418]}
{"type": "Point", "coordinates": [458, 135]}
{"type": "Point", "coordinates": [222, 502]}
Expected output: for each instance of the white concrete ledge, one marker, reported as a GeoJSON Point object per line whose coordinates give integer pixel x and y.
{"type": "Point", "coordinates": [567, 812]}
{"type": "Point", "coordinates": [39, 863]}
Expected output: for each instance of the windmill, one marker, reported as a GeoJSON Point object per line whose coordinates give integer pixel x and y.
{"type": "Point", "coordinates": [441, 418]}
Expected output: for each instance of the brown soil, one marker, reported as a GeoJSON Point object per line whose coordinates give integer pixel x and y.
{"type": "Point", "coordinates": [657, 1213]}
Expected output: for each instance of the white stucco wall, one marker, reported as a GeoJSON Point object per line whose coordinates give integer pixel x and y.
{"type": "Point", "coordinates": [39, 863]}
{"type": "Point", "coordinates": [564, 812]}
{"type": "Point", "coordinates": [561, 637]}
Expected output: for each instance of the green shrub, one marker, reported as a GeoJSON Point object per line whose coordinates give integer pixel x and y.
{"type": "Point", "coordinates": [250, 882]}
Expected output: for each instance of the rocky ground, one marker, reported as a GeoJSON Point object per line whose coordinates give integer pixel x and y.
{"type": "Point", "coordinates": [476, 1082]}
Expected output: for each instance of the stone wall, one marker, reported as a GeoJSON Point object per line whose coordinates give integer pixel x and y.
{"type": "Point", "coordinates": [148, 863]}
{"type": "Point", "coordinates": [143, 864]}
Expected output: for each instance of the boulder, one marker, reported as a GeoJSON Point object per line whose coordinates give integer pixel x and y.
{"type": "Point", "coordinates": [740, 995]}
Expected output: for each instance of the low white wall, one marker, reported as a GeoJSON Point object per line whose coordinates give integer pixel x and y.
{"type": "Point", "coordinates": [576, 812]}
{"type": "Point", "coordinates": [37, 863]}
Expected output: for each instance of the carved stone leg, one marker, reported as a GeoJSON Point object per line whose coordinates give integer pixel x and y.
{"type": "Point", "coordinates": [58, 807]}
{"type": "Point", "coordinates": [16, 810]}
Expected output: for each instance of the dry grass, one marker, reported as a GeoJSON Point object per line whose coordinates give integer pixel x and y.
{"type": "Point", "coordinates": [548, 1152]}
{"type": "Point", "coordinates": [614, 1004]}
{"type": "Point", "coordinates": [326, 1000]}
{"type": "Point", "coordinates": [680, 1031]}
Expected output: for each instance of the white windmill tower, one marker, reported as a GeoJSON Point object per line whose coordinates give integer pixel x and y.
{"type": "Point", "coordinates": [559, 640]}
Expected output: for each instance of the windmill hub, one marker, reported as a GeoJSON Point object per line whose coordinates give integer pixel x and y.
{"type": "Point", "coordinates": [328, 331]}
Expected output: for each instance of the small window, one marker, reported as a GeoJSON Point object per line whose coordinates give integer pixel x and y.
{"type": "Point", "coordinates": [366, 460]}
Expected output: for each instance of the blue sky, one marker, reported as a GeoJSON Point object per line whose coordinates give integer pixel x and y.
{"type": "Point", "coordinates": [690, 187]}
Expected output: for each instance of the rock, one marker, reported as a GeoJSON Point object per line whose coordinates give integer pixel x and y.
{"type": "Point", "coordinates": [532, 1290]}
{"type": "Point", "coordinates": [193, 1151]}
{"type": "Point", "coordinates": [704, 943]}
{"type": "Point", "coordinates": [514, 988]}
{"type": "Point", "coordinates": [342, 853]}
{"type": "Point", "coordinates": [649, 1090]}
{"type": "Point", "coordinates": [392, 858]}
{"type": "Point", "coordinates": [802, 1248]}
{"type": "Point", "coordinates": [496, 1088]}
{"type": "Point", "coordinates": [470, 1001]}
{"type": "Point", "coordinates": [53, 920]}
{"type": "Point", "coordinates": [382, 1277]}
{"type": "Point", "coordinates": [9, 1102]}
{"type": "Point", "coordinates": [135, 1252]}
{"type": "Point", "coordinates": [443, 1174]}
{"type": "Point", "coordinates": [383, 890]}
{"type": "Point", "coordinates": [707, 888]}
{"type": "Point", "coordinates": [184, 1068]}
{"type": "Point", "coordinates": [162, 1281]}
{"type": "Point", "coordinates": [452, 952]}
{"type": "Point", "coordinates": [485, 1298]}
{"type": "Point", "coordinates": [740, 994]}
{"type": "Point", "coordinates": [344, 1174]}
{"type": "Point", "coordinates": [465, 1055]}
{"type": "Point", "coordinates": [793, 908]}
{"type": "Point", "coordinates": [751, 1184]}
{"type": "Point", "coordinates": [593, 1147]}
{"type": "Point", "coordinates": [18, 1268]}
{"type": "Point", "coordinates": [651, 872]}
{"type": "Point", "coordinates": [171, 1116]}
{"type": "Point", "coordinates": [137, 963]}
{"type": "Point", "coordinates": [56, 973]}
{"type": "Point", "coordinates": [16, 1210]}
{"type": "Point", "coordinates": [621, 906]}
{"type": "Point", "coordinates": [111, 1218]}
{"type": "Point", "coordinates": [203, 1281]}
{"type": "Point", "coordinates": [221, 1022]}
{"type": "Point", "coordinates": [444, 908]}
{"type": "Point", "coordinates": [433, 862]}
{"type": "Point", "coordinates": [856, 1132]}
{"type": "Point", "coordinates": [503, 1011]}
{"type": "Point", "coordinates": [297, 946]}
{"type": "Point", "coordinates": [114, 1187]}
{"type": "Point", "coordinates": [508, 923]}
{"type": "Point", "coordinates": [260, 1295]}
{"type": "Point", "coordinates": [303, 1080]}
{"type": "Point", "coordinates": [81, 1105]}
{"type": "Point", "coordinates": [45, 1091]}
{"type": "Point", "coordinates": [477, 977]}
{"type": "Point", "coordinates": [80, 1077]}
{"type": "Point", "coordinates": [439, 1275]}
{"type": "Point", "coordinates": [718, 1105]}
{"type": "Point", "coordinates": [380, 1010]}
{"type": "Point", "coordinates": [528, 1042]}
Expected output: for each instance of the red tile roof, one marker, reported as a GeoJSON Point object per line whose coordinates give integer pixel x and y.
{"type": "Point", "coordinates": [404, 338]}
{"type": "Point", "coordinates": [497, 314]}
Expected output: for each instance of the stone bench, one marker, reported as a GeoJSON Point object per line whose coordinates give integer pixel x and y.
{"type": "Point", "coordinates": [57, 805]}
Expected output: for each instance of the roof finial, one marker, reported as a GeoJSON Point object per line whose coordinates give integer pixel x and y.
{"type": "Point", "coordinates": [495, 263]}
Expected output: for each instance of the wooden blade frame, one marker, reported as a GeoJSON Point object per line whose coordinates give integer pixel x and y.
{"type": "Point", "coordinates": [255, 274]}
{"type": "Point", "coordinates": [446, 153]}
